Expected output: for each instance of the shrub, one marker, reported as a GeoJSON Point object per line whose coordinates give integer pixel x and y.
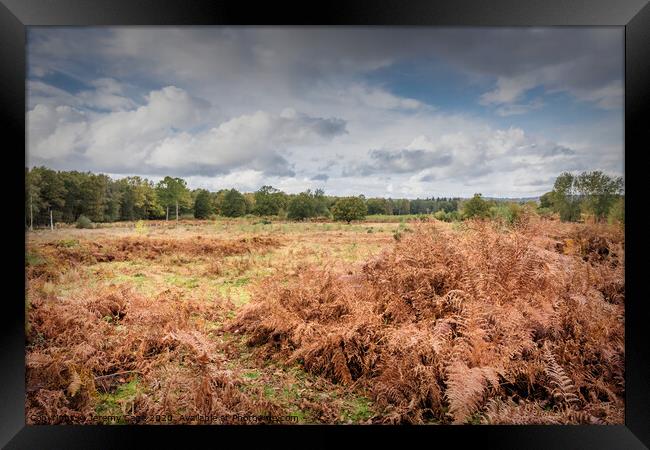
{"type": "Point", "coordinates": [451, 216]}
{"type": "Point", "coordinates": [509, 213]}
{"type": "Point", "coordinates": [476, 207]}
{"type": "Point", "coordinates": [617, 212]}
{"type": "Point", "coordinates": [84, 222]}
{"type": "Point", "coordinates": [140, 226]}
{"type": "Point", "coordinates": [569, 211]}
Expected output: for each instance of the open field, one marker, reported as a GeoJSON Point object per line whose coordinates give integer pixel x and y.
{"type": "Point", "coordinates": [320, 322]}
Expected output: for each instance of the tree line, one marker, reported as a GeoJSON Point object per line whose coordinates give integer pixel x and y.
{"type": "Point", "coordinates": [592, 193]}
{"type": "Point", "coordinates": [66, 196]}
{"type": "Point", "coordinates": [573, 198]}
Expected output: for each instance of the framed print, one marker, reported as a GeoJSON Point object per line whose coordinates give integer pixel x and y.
{"type": "Point", "coordinates": [378, 221]}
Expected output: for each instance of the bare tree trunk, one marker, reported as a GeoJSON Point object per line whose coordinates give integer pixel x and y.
{"type": "Point", "coordinates": [167, 217]}
{"type": "Point", "coordinates": [31, 211]}
{"type": "Point", "coordinates": [176, 210]}
{"type": "Point", "coordinates": [51, 221]}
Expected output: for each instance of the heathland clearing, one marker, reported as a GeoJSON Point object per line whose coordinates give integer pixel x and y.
{"type": "Point", "coordinates": [322, 322]}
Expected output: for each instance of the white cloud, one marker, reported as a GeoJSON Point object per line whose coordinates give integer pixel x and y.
{"type": "Point", "coordinates": [55, 131]}
{"type": "Point", "coordinates": [509, 90]}
{"type": "Point", "coordinates": [107, 95]}
{"type": "Point", "coordinates": [609, 96]}
{"type": "Point", "coordinates": [291, 106]}
{"type": "Point", "coordinates": [160, 136]}
{"type": "Point", "coordinates": [375, 97]}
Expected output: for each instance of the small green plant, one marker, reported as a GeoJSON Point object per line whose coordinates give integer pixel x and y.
{"type": "Point", "coordinates": [33, 259]}
{"type": "Point", "coordinates": [252, 375]}
{"type": "Point", "coordinates": [358, 410]}
{"type": "Point", "coordinates": [69, 243]}
{"type": "Point", "coordinates": [141, 227]}
{"type": "Point", "coordinates": [116, 404]}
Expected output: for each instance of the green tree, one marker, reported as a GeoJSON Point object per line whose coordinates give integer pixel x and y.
{"type": "Point", "coordinates": [249, 198]}
{"type": "Point", "coordinates": [33, 202]}
{"type": "Point", "coordinates": [173, 192]}
{"type": "Point", "coordinates": [566, 200]}
{"type": "Point", "coordinates": [92, 195]}
{"type": "Point", "coordinates": [113, 201]}
{"type": "Point", "coordinates": [320, 203]}
{"type": "Point", "coordinates": [202, 205]}
{"type": "Point", "coordinates": [52, 195]}
{"type": "Point", "coordinates": [234, 204]}
{"type": "Point", "coordinates": [269, 201]}
{"type": "Point", "coordinates": [349, 208]}
{"type": "Point", "coordinates": [301, 206]}
{"type": "Point", "coordinates": [476, 207]}
{"type": "Point", "coordinates": [72, 205]}
{"type": "Point", "coordinates": [599, 192]}
{"type": "Point", "coordinates": [139, 199]}
{"type": "Point", "coordinates": [399, 206]}
{"type": "Point", "coordinates": [216, 199]}
{"type": "Point", "coordinates": [378, 206]}
{"type": "Point", "coordinates": [546, 200]}
{"type": "Point", "coordinates": [151, 207]}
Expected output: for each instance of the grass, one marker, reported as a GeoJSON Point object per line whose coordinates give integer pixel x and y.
{"type": "Point", "coordinates": [252, 375]}
{"type": "Point", "coordinates": [117, 404]}
{"type": "Point", "coordinates": [384, 218]}
{"type": "Point", "coordinates": [33, 258]}
{"type": "Point", "coordinates": [358, 409]}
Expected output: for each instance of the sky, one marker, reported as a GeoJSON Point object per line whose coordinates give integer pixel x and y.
{"type": "Point", "coordinates": [380, 111]}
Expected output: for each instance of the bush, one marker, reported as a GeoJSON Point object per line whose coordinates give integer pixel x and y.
{"type": "Point", "coordinates": [476, 207]}
{"type": "Point", "coordinates": [569, 211]}
{"type": "Point", "coordinates": [84, 222]}
{"type": "Point", "coordinates": [440, 215]}
{"type": "Point", "coordinates": [451, 216]}
{"type": "Point", "coordinates": [617, 212]}
{"type": "Point", "coordinates": [509, 213]}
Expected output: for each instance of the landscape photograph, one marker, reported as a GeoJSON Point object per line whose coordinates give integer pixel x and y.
{"type": "Point", "coordinates": [324, 225]}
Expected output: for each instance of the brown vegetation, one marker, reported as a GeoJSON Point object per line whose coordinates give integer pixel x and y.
{"type": "Point", "coordinates": [64, 254]}
{"type": "Point", "coordinates": [473, 325]}
{"type": "Point", "coordinates": [471, 322]}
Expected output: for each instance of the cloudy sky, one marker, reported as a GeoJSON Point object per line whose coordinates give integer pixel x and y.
{"type": "Point", "coordinates": [395, 112]}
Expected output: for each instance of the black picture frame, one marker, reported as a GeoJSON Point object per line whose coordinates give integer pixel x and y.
{"type": "Point", "coordinates": [634, 15]}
